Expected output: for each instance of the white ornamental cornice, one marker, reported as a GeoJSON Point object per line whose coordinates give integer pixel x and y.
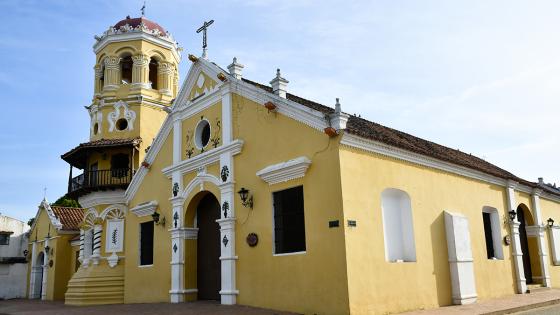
{"type": "Point", "coordinates": [127, 32]}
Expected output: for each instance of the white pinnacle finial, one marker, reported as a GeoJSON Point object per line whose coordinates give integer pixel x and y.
{"type": "Point", "coordinates": [337, 107]}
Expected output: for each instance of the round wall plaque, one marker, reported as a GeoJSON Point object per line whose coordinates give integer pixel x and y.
{"type": "Point", "coordinates": [507, 240]}
{"type": "Point", "coordinates": [252, 239]}
{"type": "Point", "coordinates": [51, 263]}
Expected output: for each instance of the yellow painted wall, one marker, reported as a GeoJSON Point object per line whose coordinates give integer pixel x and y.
{"type": "Point", "coordinates": [373, 282]}
{"type": "Point", "coordinates": [281, 282]}
{"type": "Point", "coordinates": [154, 187]}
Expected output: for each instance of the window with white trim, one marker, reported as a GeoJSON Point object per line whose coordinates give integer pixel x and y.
{"type": "Point", "coordinates": [147, 243]}
{"type": "Point", "coordinates": [289, 221]}
{"type": "Point", "coordinates": [492, 233]}
{"type": "Point", "coordinates": [397, 226]}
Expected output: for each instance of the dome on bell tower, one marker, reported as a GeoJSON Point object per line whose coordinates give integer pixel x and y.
{"type": "Point", "coordinates": [136, 22]}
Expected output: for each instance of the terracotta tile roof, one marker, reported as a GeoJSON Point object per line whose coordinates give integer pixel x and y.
{"type": "Point", "coordinates": [71, 218]}
{"type": "Point", "coordinates": [76, 156]}
{"type": "Point", "coordinates": [373, 131]}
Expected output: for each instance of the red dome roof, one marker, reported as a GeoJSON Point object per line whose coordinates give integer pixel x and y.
{"type": "Point", "coordinates": [134, 22]}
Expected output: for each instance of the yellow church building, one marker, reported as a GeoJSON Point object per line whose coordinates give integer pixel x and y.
{"type": "Point", "coordinates": [230, 190]}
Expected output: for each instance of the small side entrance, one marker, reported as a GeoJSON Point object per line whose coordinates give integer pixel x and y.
{"type": "Point", "coordinates": [208, 249]}
{"type": "Point", "coordinates": [37, 274]}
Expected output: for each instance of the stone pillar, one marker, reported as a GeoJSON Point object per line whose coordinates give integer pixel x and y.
{"type": "Point", "coordinates": [463, 288]}
{"type": "Point", "coordinates": [165, 77]}
{"type": "Point", "coordinates": [112, 73]}
{"type": "Point", "coordinates": [228, 258]}
{"type": "Point", "coordinates": [543, 250]}
{"type": "Point", "coordinates": [516, 253]}
{"type": "Point", "coordinates": [176, 293]}
{"type": "Point", "coordinates": [82, 239]}
{"type": "Point", "coordinates": [45, 271]}
{"type": "Point", "coordinates": [97, 231]}
{"type": "Point", "coordinates": [34, 271]}
{"type": "Point", "coordinates": [97, 82]}
{"type": "Point", "coordinates": [140, 72]}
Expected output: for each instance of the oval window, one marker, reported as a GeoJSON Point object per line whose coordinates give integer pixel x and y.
{"type": "Point", "coordinates": [95, 128]}
{"type": "Point", "coordinates": [122, 124]}
{"type": "Point", "coordinates": [202, 134]}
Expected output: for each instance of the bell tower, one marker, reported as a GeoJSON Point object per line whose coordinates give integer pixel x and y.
{"type": "Point", "coordinates": [136, 79]}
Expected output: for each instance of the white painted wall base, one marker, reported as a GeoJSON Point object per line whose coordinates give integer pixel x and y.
{"type": "Point", "coordinates": [460, 258]}
{"type": "Point", "coordinates": [13, 278]}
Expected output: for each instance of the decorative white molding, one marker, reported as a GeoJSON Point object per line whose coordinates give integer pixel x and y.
{"type": "Point", "coordinates": [113, 260]}
{"type": "Point", "coordinates": [128, 114]}
{"type": "Point", "coordinates": [114, 236]}
{"type": "Point", "coordinates": [102, 197]}
{"type": "Point", "coordinates": [203, 159]}
{"type": "Point", "coordinates": [52, 217]}
{"type": "Point", "coordinates": [145, 208]}
{"type": "Point", "coordinates": [185, 233]}
{"type": "Point", "coordinates": [285, 171]}
{"type": "Point", "coordinates": [141, 32]}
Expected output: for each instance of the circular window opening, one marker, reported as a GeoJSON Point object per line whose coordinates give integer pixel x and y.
{"type": "Point", "coordinates": [202, 134]}
{"type": "Point", "coordinates": [122, 124]}
{"type": "Point", "coordinates": [95, 128]}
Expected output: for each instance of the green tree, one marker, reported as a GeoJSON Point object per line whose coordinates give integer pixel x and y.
{"type": "Point", "coordinates": [65, 201]}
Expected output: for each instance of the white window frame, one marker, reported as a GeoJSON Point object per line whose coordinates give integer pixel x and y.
{"type": "Point", "coordinates": [496, 232]}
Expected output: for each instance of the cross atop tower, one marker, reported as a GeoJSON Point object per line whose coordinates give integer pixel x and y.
{"type": "Point", "coordinates": [203, 29]}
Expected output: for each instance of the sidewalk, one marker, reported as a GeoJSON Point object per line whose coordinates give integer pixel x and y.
{"type": "Point", "coordinates": [506, 305]}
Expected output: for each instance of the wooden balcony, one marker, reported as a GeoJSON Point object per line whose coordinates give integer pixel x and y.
{"type": "Point", "coordinates": [99, 180]}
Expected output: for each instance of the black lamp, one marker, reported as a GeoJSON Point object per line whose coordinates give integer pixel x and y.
{"type": "Point", "coordinates": [246, 200]}
{"type": "Point", "coordinates": [157, 221]}
{"type": "Point", "coordinates": [512, 214]}
{"type": "Point", "coordinates": [550, 222]}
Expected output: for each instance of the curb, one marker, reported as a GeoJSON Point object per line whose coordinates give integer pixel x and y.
{"type": "Point", "coordinates": [524, 307]}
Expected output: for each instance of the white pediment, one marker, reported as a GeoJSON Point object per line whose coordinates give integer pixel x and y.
{"type": "Point", "coordinates": [145, 208]}
{"type": "Point", "coordinates": [285, 171]}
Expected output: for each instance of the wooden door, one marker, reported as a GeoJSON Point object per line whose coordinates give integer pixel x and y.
{"type": "Point", "coordinates": [524, 245]}
{"type": "Point", "coordinates": [208, 249]}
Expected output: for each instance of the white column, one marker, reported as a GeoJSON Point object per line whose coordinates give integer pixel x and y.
{"type": "Point", "coordinates": [177, 135]}
{"type": "Point", "coordinates": [227, 238]}
{"type": "Point", "coordinates": [97, 231]}
{"type": "Point", "coordinates": [82, 237]}
{"type": "Point", "coordinates": [177, 252]}
{"type": "Point", "coordinates": [227, 132]}
{"type": "Point", "coordinates": [543, 250]}
{"type": "Point", "coordinates": [34, 271]}
{"type": "Point", "coordinates": [45, 271]}
{"type": "Point", "coordinates": [516, 252]}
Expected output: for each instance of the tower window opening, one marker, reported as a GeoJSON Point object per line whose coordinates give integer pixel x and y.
{"type": "Point", "coordinates": [152, 76]}
{"type": "Point", "coordinates": [126, 70]}
{"type": "Point", "coordinates": [102, 77]}
{"type": "Point", "coordinates": [122, 124]}
{"type": "Point", "coordinates": [95, 128]}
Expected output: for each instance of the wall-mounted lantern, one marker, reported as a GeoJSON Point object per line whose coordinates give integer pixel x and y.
{"type": "Point", "coordinates": [550, 222]}
{"type": "Point", "coordinates": [157, 220]}
{"type": "Point", "coordinates": [512, 215]}
{"type": "Point", "coordinates": [47, 248]}
{"type": "Point", "coordinates": [246, 199]}
{"type": "Point", "coordinates": [25, 252]}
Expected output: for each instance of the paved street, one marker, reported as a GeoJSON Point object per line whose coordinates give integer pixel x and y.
{"type": "Point", "coordinates": [550, 310]}
{"type": "Point", "coordinates": [202, 307]}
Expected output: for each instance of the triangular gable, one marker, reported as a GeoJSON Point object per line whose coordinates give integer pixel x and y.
{"type": "Point", "coordinates": [190, 89]}
{"type": "Point", "coordinates": [47, 207]}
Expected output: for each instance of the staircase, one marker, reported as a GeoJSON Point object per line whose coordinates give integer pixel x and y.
{"type": "Point", "coordinates": [96, 285]}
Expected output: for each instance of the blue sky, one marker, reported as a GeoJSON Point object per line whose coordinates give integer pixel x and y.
{"type": "Point", "coordinates": [480, 76]}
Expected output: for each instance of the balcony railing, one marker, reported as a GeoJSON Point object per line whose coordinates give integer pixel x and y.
{"type": "Point", "coordinates": [100, 180]}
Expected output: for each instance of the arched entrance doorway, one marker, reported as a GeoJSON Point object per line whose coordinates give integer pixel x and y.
{"type": "Point", "coordinates": [208, 248]}
{"type": "Point", "coordinates": [38, 275]}
{"type": "Point", "coordinates": [528, 237]}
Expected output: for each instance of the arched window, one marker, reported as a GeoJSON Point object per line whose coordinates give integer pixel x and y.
{"type": "Point", "coordinates": [397, 226]}
{"type": "Point", "coordinates": [492, 233]}
{"type": "Point", "coordinates": [126, 70]}
{"type": "Point", "coordinates": [152, 76]}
